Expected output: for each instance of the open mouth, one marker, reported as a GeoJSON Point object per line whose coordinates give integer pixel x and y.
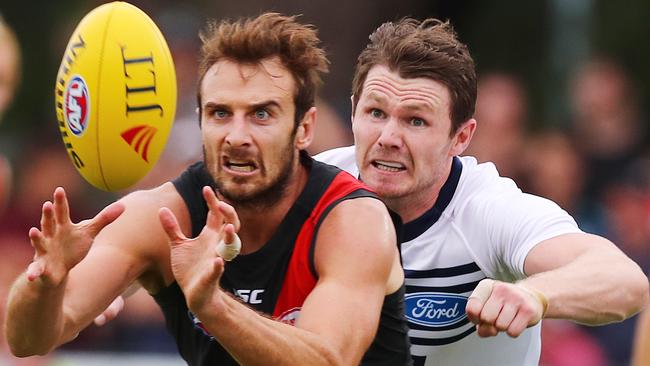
{"type": "Point", "coordinates": [239, 165]}
{"type": "Point", "coordinates": [388, 166]}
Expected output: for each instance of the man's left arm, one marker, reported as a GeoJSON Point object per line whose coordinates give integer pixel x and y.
{"type": "Point", "coordinates": [577, 276]}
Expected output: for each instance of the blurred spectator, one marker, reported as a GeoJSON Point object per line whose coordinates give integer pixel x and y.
{"type": "Point", "coordinates": [501, 113]}
{"type": "Point", "coordinates": [626, 201]}
{"type": "Point", "coordinates": [9, 66]}
{"type": "Point", "coordinates": [607, 123]}
{"type": "Point", "coordinates": [611, 135]}
{"type": "Point", "coordinates": [13, 259]}
{"type": "Point", "coordinates": [554, 168]}
{"type": "Point", "coordinates": [9, 77]}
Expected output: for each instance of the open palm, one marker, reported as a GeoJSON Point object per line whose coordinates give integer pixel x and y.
{"type": "Point", "coordinates": [60, 244]}
{"type": "Point", "coordinates": [195, 263]}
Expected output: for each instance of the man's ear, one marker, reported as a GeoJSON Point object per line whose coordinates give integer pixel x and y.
{"type": "Point", "coordinates": [463, 137]}
{"type": "Point", "coordinates": [306, 129]}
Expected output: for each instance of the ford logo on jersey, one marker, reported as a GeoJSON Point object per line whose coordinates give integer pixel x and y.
{"type": "Point", "coordinates": [435, 309]}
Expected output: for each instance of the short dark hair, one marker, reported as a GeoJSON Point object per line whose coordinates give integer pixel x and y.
{"type": "Point", "coordinates": [428, 49]}
{"type": "Point", "coordinates": [251, 40]}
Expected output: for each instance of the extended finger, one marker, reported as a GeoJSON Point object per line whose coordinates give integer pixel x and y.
{"type": "Point", "coordinates": [229, 214]}
{"type": "Point", "coordinates": [109, 214]}
{"type": "Point", "coordinates": [61, 207]}
{"type": "Point", "coordinates": [170, 225]}
{"type": "Point", "coordinates": [47, 219]}
{"type": "Point", "coordinates": [215, 217]}
{"type": "Point", "coordinates": [477, 300]}
{"type": "Point", "coordinates": [229, 235]}
{"type": "Point", "coordinates": [36, 238]}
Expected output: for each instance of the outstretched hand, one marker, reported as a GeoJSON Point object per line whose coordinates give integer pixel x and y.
{"type": "Point", "coordinates": [60, 244]}
{"type": "Point", "coordinates": [196, 263]}
{"type": "Point", "coordinates": [496, 306]}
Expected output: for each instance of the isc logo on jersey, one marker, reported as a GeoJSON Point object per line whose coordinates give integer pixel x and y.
{"type": "Point", "coordinates": [250, 296]}
{"type": "Point", "coordinates": [77, 105]}
{"type": "Point", "coordinates": [435, 309]}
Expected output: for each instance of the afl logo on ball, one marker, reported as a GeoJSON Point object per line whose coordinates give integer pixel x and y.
{"type": "Point", "coordinates": [77, 105]}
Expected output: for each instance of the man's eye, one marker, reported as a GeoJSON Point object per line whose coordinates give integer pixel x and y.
{"type": "Point", "coordinates": [417, 122]}
{"type": "Point", "coordinates": [376, 113]}
{"type": "Point", "coordinates": [262, 114]}
{"type": "Point", "coordinates": [220, 114]}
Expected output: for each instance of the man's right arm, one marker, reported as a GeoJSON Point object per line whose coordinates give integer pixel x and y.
{"type": "Point", "coordinates": [74, 277]}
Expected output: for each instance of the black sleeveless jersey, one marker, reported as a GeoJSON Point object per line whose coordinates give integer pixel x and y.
{"type": "Point", "coordinates": [276, 279]}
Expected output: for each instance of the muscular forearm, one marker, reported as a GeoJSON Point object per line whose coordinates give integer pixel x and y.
{"type": "Point", "coordinates": [253, 339]}
{"type": "Point", "coordinates": [34, 316]}
{"type": "Point", "coordinates": [598, 287]}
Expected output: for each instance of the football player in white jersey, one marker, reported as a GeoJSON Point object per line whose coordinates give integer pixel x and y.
{"type": "Point", "coordinates": [484, 262]}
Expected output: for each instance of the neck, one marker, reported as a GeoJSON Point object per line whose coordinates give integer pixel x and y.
{"type": "Point", "coordinates": [258, 224]}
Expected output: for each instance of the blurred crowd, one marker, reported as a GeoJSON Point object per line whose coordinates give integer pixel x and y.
{"type": "Point", "coordinates": [596, 166]}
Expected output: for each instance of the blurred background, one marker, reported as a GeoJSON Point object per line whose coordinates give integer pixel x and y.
{"type": "Point", "coordinates": [563, 92]}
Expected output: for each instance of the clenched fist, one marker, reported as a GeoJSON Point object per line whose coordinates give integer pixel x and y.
{"type": "Point", "coordinates": [497, 306]}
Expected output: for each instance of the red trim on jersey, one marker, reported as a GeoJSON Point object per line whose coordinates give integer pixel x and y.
{"type": "Point", "coordinates": [299, 280]}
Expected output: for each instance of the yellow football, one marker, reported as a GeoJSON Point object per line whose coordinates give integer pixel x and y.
{"type": "Point", "coordinates": [115, 96]}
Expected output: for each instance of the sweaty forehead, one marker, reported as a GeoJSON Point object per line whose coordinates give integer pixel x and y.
{"type": "Point", "coordinates": [384, 85]}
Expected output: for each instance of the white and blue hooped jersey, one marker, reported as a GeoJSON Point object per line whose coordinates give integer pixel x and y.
{"type": "Point", "coordinates": [481, 226]}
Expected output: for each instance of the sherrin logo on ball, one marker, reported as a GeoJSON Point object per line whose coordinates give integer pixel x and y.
{"type": "Point", "coordinates": [115, 96]}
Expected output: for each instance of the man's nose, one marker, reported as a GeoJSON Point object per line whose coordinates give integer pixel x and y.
{"type": "Point", "coordinates": [391, 135]}
{"type": "Point", "coordinates": [238, 132]}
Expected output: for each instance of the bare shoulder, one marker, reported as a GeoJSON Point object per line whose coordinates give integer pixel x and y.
{"type": "Point", "coordinates": [362, 218]}
{"type": "Point", "coordinates": [357, 230]}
